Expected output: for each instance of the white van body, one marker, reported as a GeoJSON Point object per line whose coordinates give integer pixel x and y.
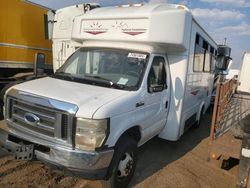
{"type": "Point", "coordinates": [190, 91]}
{"type": "Point", "coordinates": [244, 77]}
{"type": "Point", "coordinates": [145, 32]}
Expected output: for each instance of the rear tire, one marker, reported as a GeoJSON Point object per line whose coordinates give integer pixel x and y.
{"type": "Point", "coordinates": [197, 124]}
{"type": "Point", "coordinates": [123, 164]}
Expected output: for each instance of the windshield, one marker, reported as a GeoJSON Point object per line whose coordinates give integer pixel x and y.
{"type": "Point", "coordinates": [119, 69]}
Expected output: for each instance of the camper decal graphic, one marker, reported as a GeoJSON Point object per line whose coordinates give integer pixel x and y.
{"type": "Point", "coordinates": [119, 25]}
{"type": "Point", "coordinates": [131, 27]}
{"type": "Point", "coordinates": [95, 32]}
{"type": "Point", "coordinates": [195, 92]}
{"type": "Point", "coordinates": [124, 27]}
{"type": "Point", "coordinates": [95, 28]}
{"type": "Point", "coordinates": [133, 32]}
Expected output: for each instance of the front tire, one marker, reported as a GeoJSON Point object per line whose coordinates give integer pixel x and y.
{"type": "Point", "coordinates": [123, 164]}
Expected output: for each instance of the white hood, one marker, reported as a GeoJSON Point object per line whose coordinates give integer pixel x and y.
{"type": "Point", "coordinates": [88, 98]}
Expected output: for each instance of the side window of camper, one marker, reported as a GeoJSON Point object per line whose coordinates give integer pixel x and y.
{"type": "Point", "coordinates": [213, 58]}
{"type": "Point", "coordinates": [207, 65]}
{"type": "Point", "coordinates": [207, 61]}
{"type": "Point", "coordinates": [157, 75]}
{"type": "Point", "coordinates": [199, 53]}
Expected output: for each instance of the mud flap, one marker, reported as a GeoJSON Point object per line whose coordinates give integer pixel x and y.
{"type": "Point", "coordinates": [24, 152]}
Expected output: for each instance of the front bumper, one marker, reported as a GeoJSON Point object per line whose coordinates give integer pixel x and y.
{"type": "Point", "coordinates": [89, 165]}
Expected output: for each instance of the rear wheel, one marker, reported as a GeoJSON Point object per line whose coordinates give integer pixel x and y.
{"type": "Point", "coordinates": [198, 121]}
{"type": "Point", "coordinates": [123, 164]}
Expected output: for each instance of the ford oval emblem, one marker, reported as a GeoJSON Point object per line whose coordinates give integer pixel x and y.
{"type": "Point", "coordinates": [31, 119]}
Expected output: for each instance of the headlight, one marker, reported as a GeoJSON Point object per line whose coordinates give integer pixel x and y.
{"type": "Point", "coordinates": [90, 134]}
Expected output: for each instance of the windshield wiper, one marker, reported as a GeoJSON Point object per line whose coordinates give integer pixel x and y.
{"type": "Point", "coordinates": [91, 78]}
{"type": "Point", "coordinates": [65, 74]}
{"type": "Point", "coordinates": [118, 86]}
{"type": "Point", "coordinates": [98, 77]}
{"type": "Point", "coordinates": [110, 82]}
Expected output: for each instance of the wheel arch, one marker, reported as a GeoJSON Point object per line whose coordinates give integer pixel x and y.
{"type": "Point", "coordinates": [133, 132]}
{"type": "Point", "coordinates": [201, 110]}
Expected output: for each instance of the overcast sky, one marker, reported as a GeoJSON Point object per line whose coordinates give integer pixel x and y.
{"type": "Point", "coordinates": [221, 18]}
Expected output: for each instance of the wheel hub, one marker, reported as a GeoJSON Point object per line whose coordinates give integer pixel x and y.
{"type": "Point", "coordinates": [125, 166]}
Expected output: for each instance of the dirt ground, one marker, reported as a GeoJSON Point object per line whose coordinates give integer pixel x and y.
{"type": "Point", "coordinates": [161, 164]}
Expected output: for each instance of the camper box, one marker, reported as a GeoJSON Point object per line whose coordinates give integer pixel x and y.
{"type": "Point", "coordinates": [167, 29]}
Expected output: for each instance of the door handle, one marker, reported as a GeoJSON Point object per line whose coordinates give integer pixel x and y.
{"type": "Point", "coordinates": [166, 104]}
{"type": "Point", "coordinates": [139, 104]}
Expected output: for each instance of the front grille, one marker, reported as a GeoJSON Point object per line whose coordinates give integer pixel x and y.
{"type": "Point", "coordinates": [64, 129]}
{"type": "Point", "coordinates": [51, 122]}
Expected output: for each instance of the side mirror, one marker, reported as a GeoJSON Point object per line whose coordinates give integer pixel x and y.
{"type": "Point", "coordinates": [39, 65]}
{"type": "Point", "coordinates": [223, 58]}
{"type": "Point", "coordinates": [223, 62]}
{"type": "Point", "coordinates": [157, 88]}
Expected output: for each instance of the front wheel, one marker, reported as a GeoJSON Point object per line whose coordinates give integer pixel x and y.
{"type": "Point", "coordinates": [123, 164]}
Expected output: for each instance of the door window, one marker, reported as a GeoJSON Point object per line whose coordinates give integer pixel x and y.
{"type": "Point", "coordinates": [157, 75]}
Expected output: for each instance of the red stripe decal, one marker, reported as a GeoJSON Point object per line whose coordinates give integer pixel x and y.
{"type": "Point", "coordinates": [195, 92]}
{"type": "Point", "coordinates": [133, 33]}
{"type": "Point", "coordinates": [95, 32]}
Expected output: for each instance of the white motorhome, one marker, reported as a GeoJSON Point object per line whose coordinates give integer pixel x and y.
{"type": "Point", "coordinates": [244, 76]}
{"type": "Point", "coordinates": [141, 71]}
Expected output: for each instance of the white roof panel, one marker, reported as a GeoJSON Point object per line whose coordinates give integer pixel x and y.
{"type": "Point", "coordinates": [150, 23]}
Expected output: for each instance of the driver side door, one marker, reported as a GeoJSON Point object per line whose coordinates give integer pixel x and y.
{"type": "Point", "coordinates": [157, 96]}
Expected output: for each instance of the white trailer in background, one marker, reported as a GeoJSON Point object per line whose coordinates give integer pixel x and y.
{"type": "Point", "coordinates": [244, 76]}
{"type": "Point", "coordinates": [140, 71]}
{"type": "Point", "coordinates": [232, 73]}
{"type": "Point", "coordinates": [60, 25]}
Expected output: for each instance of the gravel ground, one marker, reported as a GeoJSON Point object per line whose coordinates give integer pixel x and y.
{"type": "Point", "coordinates": [161, 164]}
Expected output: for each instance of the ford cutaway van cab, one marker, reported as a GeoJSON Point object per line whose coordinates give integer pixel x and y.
{"type": "Point", "coordinates": [141, 71]}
